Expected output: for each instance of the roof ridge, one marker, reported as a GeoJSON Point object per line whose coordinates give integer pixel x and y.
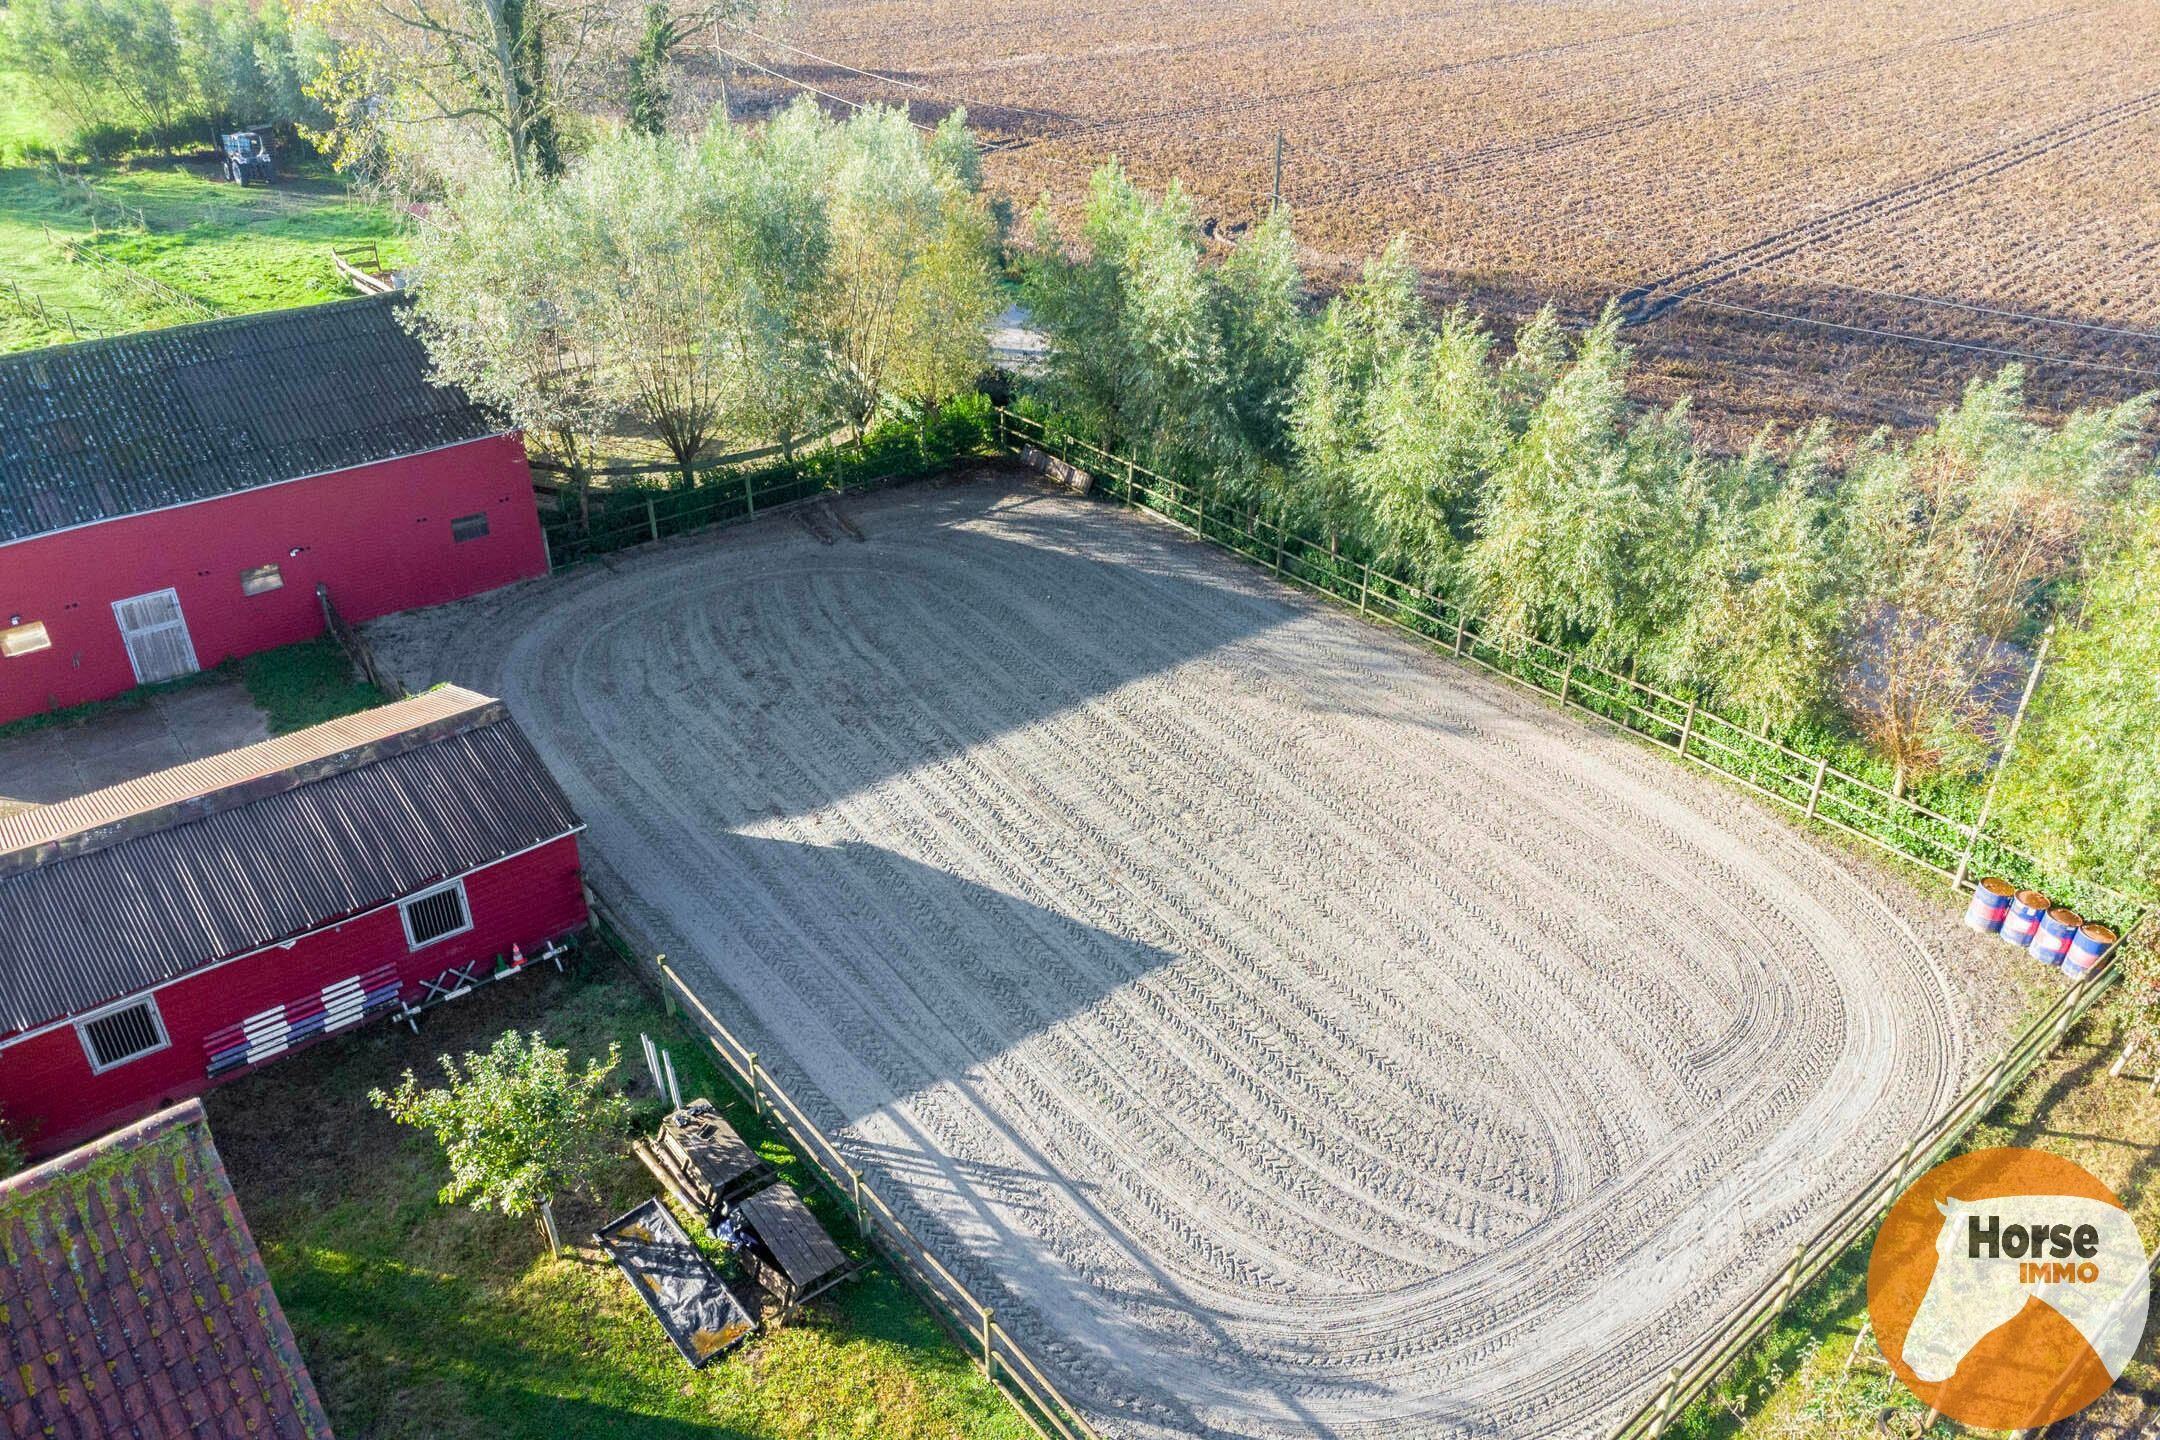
{"type": "Point", "coordinates": [217, 783]}
{"type": "Point", "coordinates": [23, 358]}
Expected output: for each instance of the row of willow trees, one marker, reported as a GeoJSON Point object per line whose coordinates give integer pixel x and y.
{"type": "Point", "coordinates": [744, 286]}
{"type": "Point", "coordinates": [1883, 594]}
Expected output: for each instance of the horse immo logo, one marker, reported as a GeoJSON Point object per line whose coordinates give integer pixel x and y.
{"type": "Point", "coordinates": [2008, 1288]}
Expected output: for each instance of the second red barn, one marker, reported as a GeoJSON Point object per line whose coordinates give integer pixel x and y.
{"type": "Point", "coordinates": [165, 934]}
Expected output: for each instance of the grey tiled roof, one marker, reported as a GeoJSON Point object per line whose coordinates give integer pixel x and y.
{"type": "Point", "coordinates": [112, 427]}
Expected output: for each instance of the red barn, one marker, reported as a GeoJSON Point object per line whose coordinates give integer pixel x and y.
{"type": "Point", "coordinates": [174, 931]}
{"type": "Point", "coordinates": [171, 499]}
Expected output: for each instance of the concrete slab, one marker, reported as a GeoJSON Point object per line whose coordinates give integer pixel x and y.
{"type": "Point", "coordinates": [132, 737]}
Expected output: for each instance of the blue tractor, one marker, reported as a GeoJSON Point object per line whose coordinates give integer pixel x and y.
{"type": "Point", "coordinates": [247, 158]}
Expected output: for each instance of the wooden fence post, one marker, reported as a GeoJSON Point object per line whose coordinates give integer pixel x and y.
{"type": "Point", "coordinates": [862, 1216]}
{"type": "Point", "coordinates": [1364, 589]}
{"type": "Point", "coordinates": [1462, 625]}
{"type": "Point", "coordinates": [1132, 472]}
{"type": "Point", "coordinates": [1567, 682]}
{"type": "Point", "coordinates": [757, 1096]}
{"type": "Point", "coordinates": [989, 1355]}
{"type": "Point", "coordinates": [749, 496]}
{"type": "Point", "coordinates": [1814, 794]}
{"type": "Point", "coordinates": [652, 518]}
{"type": "Point", "coordinates": [1687, 727]}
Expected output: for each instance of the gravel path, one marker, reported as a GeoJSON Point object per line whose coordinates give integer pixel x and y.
{"type": "Point", "coordinates": [1290, 1032]}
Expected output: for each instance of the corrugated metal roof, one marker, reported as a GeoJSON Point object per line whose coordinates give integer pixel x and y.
{"type": "Point", "coordinates": [113, 427]}
{"type": "Point", "coordinates": [172, 872]}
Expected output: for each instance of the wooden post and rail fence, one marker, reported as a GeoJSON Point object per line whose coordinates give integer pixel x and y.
{"type": "Point", "coordinates": [973, 1321]}
{"type": "Point", "coordinates": [1807, 784]}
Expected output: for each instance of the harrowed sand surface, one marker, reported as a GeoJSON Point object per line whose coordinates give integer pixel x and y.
{"type": "Point", "coordinates": [1288, 1031]}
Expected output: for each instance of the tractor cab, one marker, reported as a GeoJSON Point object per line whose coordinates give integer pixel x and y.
{"type": "Point", "coordinates": [247, 158]}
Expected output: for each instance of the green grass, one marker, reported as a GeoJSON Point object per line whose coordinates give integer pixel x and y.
{"type": "Point", "coordinates": [234, 250]}
{"type": "Point", "coordinates": [300, 685]}
{"type": "Point", "coordinates": [421, 1320]}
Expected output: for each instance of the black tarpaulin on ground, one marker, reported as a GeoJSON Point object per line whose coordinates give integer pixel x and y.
{"type": "Point", "coordinates": [693, 1304]}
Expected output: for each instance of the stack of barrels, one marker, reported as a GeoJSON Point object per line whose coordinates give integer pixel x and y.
{"type": "Point", "coordinates": [2055, 935]}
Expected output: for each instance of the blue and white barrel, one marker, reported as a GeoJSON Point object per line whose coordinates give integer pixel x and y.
{"type": "Point", "coordinates": [1990, 906]}
{"type": "Point", "coordinates": [2058, 929]}
{"type": "Point", "coordinates": [2024, 921]}
{"type": "Point", "coordinates": [2086, 952]}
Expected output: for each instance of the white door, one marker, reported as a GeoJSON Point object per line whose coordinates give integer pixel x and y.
{"type": "Point", "coordinates": [156, 633]}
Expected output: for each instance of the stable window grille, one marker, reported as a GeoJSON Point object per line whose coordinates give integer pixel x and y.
{"type": "Point", "coordinates": [24, 639]}
{"type": "Point", "coordinates": [435, 915]}
{"type": "Point", "coordinates": [123, 1033]}
{"type": "Point", "coordinates": [261, 580]}
{"type": "Point", "coordinates": [469, 527]}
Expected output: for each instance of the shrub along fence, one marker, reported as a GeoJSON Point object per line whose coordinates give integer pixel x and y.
{"type": "Point", "coordinates": [975, 1324]}
{"type": "Point", "coordinates": [1955, 849]}
{"type": "Point", "coordinates": [639, 503]}
{"type": "Point", "coordinates": [1809, 784]}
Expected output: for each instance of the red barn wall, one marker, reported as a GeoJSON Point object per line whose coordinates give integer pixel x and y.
{"type": "Point", "coordinates": [50, 1096]}
{"type": "Point", "coordinates": [377, 535]}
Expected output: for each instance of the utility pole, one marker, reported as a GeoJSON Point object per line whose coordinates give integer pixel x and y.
{"type": "Point", "coordinates": [1277, 192]}
{"type": "Point", "coordinates": [2002, 761]}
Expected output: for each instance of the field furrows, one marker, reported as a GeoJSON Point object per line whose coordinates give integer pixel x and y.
{"type": "Point", "coordinates": [1993, 153]}
{"type": "Point", "coordinates": [1288, 1032]}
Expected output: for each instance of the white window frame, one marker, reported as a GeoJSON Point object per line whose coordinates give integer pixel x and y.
{"type": "Point", "coordinates": [404, 910]}
{"type": "Point", "coordinates": [157, 1023]}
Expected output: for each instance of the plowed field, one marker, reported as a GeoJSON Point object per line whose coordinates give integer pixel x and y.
{"type": "Point", "coordinates": [1975, 175]}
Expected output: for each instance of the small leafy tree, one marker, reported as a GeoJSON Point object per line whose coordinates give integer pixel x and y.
{"type": "Point", "coordinates": [518, 1123]}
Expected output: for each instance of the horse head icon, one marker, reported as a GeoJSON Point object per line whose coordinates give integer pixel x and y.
{"type": "Point", "coordinates": [1986, 1269]}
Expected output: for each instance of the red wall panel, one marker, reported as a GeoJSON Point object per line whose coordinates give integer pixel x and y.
{"type": "Point", "coordinates": [378, 536]}
{"type": "Point", "coordinates": [51, 1098]}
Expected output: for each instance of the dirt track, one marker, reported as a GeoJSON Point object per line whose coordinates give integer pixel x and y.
{"type": "Point", "coordinates": [1290, 1032]}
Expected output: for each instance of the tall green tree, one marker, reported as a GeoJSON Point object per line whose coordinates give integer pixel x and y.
{"type": "Point", "coordinates": [1558, 525]}
{"type": "Point", "coordinates": [650, 90]}
{"type": "Point", "coordinates": [1956, 537]}
{"type": "Point", "coordinates": [2085, 788]}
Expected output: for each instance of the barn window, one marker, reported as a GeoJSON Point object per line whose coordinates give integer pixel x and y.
{"type": "Point", "coordinates": [261, 580]}
{"type": "Point", "coordinates": [122, 1033]}
{"type": "Point", "coordinates": [435, 914]}
{"type": "Point", "coordinates": [24, 639]}
{"type": "Point", "coordinates": [469, 527]}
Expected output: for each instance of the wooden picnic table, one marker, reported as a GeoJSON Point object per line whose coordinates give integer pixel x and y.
{"type": "Point", "coordinates": [704, 1161]}
{"type": "Point", "coordinates": [794, 1258]}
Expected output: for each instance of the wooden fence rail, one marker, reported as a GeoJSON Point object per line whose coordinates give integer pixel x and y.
{"type": "Point", "coordinates": [149, 286]}
{"type": "Point", "coordinates": [1008, 1366]}
{"type": "Point", "coordinates": [30, 303]}
{"type": "Point", "coordinates": [1807, 783]}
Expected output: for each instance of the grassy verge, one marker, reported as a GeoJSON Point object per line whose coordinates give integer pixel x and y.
{"type": "Point", "coordinates": [234, 250]}
{"type": "Point", "coordinates": [1807, 1382]}
{"type": "Point", "coordinates": [420, 1320]}
{"type": "Point", "coordinates": [296, 686]}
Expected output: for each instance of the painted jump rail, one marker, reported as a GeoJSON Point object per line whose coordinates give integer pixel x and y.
{"type": "Point", "coordinates": [1951, 848]}
{"type": "Point", "coordinates": [1693, 733]}
{"type": "Point", "coordinates": [1000, 1357]}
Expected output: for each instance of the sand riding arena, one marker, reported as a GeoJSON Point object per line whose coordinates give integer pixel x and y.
{"type": "Point", "coordinates": [1289, 1031]}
